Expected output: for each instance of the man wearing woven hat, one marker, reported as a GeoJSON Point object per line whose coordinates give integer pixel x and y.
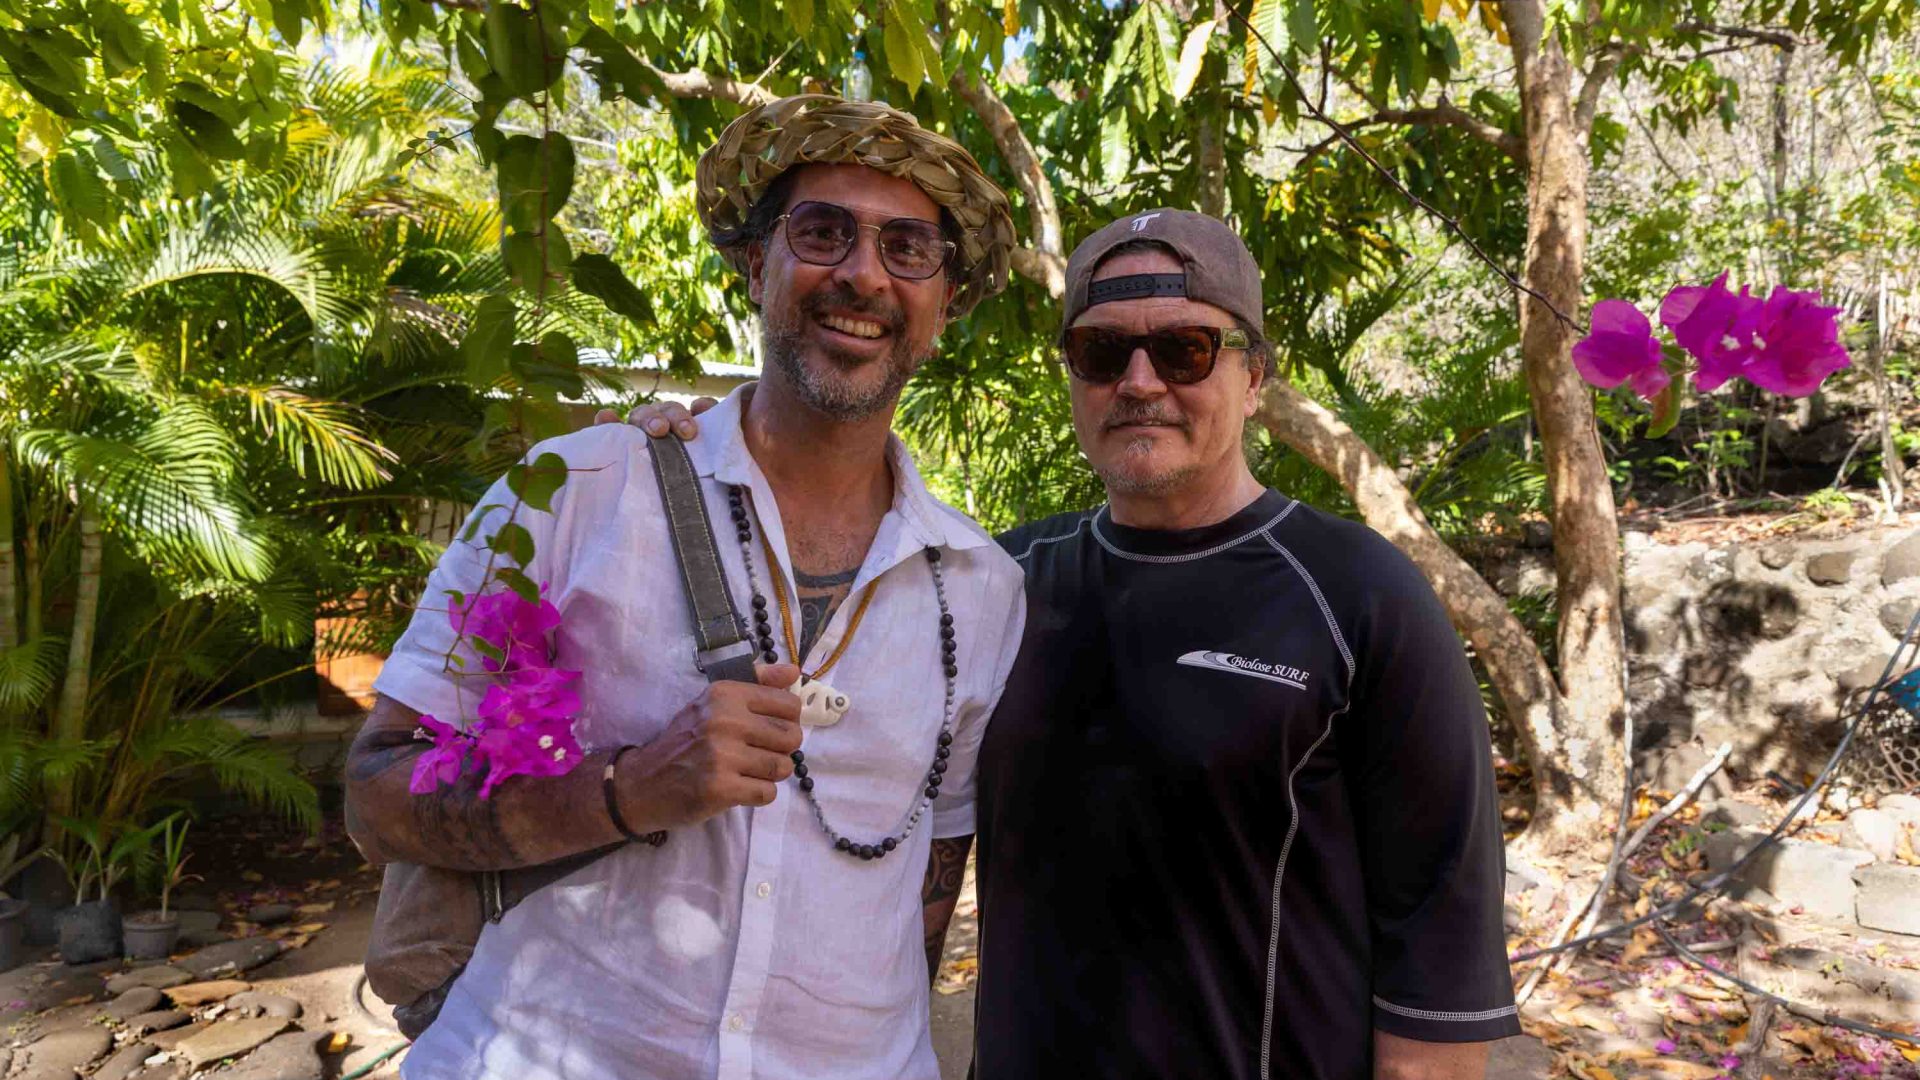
{"type": "Point", "coordinates": [781, 929]}
{"type": "Point", "coordinates": [1237, 815]}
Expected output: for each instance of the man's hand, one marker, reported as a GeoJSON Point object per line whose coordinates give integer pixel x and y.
{"type": "Point", "coordinates": [656, 419]}
{"type": "Point", "coordinates": [729, 747]}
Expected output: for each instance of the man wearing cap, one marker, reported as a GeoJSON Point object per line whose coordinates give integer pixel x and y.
{"type": "Point", "coordinates": [1237, 815]}
{"type": "Point", "coordinates": [780, 930]}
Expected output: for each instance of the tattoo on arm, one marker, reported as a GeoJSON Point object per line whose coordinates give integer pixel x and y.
{"type": "Point", "coordinates": [946, 871]}
{"type": "Point", "coordinates": [462, 829]}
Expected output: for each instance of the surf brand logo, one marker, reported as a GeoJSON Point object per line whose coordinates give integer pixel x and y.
{"type": "Point", "coordinates": [1247, 665]}
{"type": "Point", "coordinates": [1140, 223]}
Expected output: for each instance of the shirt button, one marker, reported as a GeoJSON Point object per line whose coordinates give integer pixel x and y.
{"type": "Point", "coordinates": [736, 1022]}
{"type": "Point", "coordinates": [763, 890]}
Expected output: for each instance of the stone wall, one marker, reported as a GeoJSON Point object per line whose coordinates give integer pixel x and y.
{"type": "Point", "coordinates": [1756, 642]}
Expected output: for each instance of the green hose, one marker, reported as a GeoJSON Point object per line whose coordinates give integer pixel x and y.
{"type": "Point", "coordinates": [375, 1063]}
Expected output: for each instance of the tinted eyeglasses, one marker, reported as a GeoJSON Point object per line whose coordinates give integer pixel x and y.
{"type": "Point", "coordinates": [1180, 354]}
{"type": "Point", "coordinates": [822, 234]}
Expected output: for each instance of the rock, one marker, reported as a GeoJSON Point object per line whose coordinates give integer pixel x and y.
{"type": "Point", "coordinates": [200, 939]}
{"type": "Point", "coordinates": [170, 1040]}
{"type": "Point", "coordinates": [1776, 556]}
{"type": "Point", "coordinates": [269, 914]}
{"type": "Point", "coordinates": [159, 977]}
{"type": "Point", "coordinates": [169, 1070]}
{"type": "Point", "coordinates": [1737, 814]}
{"type": "Point", "coordinates": [1817, 878]}
{"type": "Point", "coordinates": [132, 1003]}
{"type": "Point", "coordinates": [60, 1054]}
{"type": "Point", "coordinates": [1904, 808]}
{"type": "Point", "coordinates": [1850, 986]}
{"type": "Point", "coordinates": [230, 957]}
{"type": "Point", "coordinates": [1879, 832]}
{"type": "Point", "coordinates": [1831, 568]}
{"type": "Point", "coordinates": [229, 1039]}
{"type": "Point", "coordinates": [124, 1061]}
{"type": "Point", "coordinates": [1677, 766]}
{"type": "Point", "coordinates": [159, 1020]}
{"type": "Point", "coordinates": [1902, 561]}
{"type": "Point", "coordinates": [1863, 675]}
{"type": "Point", "coordinates": [1889, 898]}
{"type": "Point", "coordinates": [194, 995]}
{"type": "Point", "coordinates": [1897, 615]}
{"type": "Point", "coordinates": [293, 1056]}
{"type": "Point", "coordinates": [261, 1003]}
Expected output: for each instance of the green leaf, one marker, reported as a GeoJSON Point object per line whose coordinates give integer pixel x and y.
{"type": "Point", "coordinates": [1303, 24]}
{"type": "Point", "coordinates": [289, 17]}
{"type": "Point", "coordinates": [800, 14]}
{"type": "Point", "coordinates": [538, 261]}
{"type": "Point", "coordinates": [474, 521]}
{"type": "Point", "coordinates": [486, 649]}
{"type": "Point", "coordinates": [903, 52]}
{"type": "Point", "coordinates": [616, 67]}
{"type": "Point", "coordinates": [83, 198]}
{"type": "Point", "coordinates": [1269, 18]}
{"type": "Point", "coordinates": [207, 133]}
{"type": "Point", "coordinates": [473, 58]}
{"type": "Point", "coordinates": [514, 541]}
{"type": "Point", "coordinates": [523, 49]}
{"type": "Point", "coordinates": [189, 171]}
{"type": "Point", "coordinates": [489, 337]}
{"type": "Point", "coordinates": [535, 484]}
{"type": "Point", "coordinates": [553, 364]}
{"type": "Point", "coordinates": [521, 584]}
{"type": "Point", "coordinates": [1666, 407]}
{"type": "Point", "coordinates": [601, 278]}
{"type": "Point", "coordinates": [1116, 149]}
{"type": "Point", "coordinates": [536, 178]}
{"type": "Point", "coordinates": [1191, 55]}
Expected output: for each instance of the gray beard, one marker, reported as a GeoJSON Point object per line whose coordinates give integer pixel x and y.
{"type": "Point", "coordinates": [1120, 482]}
{"type": "Point", "coordinates": [835, 397]}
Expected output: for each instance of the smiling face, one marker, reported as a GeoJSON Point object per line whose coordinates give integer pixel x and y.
{"type": "Point", "coordinates": [846, 337]}
{"type": "Point", "coordinates": [1142, 434]}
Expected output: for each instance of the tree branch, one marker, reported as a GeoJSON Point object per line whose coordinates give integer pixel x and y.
{"type": "Point", "coordinates": [699, 84]}
{"type": "Point", "coordinates": [1604, 65]}
{"type": "Point", "coordinates": [1045, 262]}
{"type": "Point", "coordinates": [1781, 38]}
{"type": "Point", "coordinates": [1443, 114]}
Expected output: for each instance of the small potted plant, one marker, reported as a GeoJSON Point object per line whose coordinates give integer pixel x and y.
{"type": "Point", "coordinates": [150, 935]}
{"type": "Point", "coordinates": [90, 930]}
{"type": "Point", "coordinates": [12, 911]}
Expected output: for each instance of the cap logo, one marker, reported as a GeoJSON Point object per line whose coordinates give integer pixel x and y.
{"type": "Point", "coordinates": [1140, 223]}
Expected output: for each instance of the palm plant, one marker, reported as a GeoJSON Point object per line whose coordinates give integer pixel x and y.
{"type": "Point", "coordinates": [224, 412]}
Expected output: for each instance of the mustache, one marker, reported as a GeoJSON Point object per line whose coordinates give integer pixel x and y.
{"type": "Point", "coordinates": [843, 298]}
{"type": "Point", "coordinates": [1142, 412]}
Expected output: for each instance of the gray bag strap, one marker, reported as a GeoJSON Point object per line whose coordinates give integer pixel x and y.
{"type": "Point", "coordinates": [721, 649]}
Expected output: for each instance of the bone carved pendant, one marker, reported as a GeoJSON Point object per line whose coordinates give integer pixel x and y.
{"type": "Point", "coordinates": [820, 705]}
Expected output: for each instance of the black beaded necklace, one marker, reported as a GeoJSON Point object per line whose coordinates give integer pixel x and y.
{"type": "Point", "coordinates": [763, 637]}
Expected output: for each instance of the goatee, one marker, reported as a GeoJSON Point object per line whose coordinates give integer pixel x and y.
{"type": "Point", "coordinates": [834, 390]}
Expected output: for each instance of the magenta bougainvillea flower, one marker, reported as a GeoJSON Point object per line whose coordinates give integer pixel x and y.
{"type": "Point", "coordinates": [440, 765]}
{"type": "Point", "coordinates": [524, 725]}
{"type": "Point", "coordinates": [510, 624]}
{"type": "Point", "coordinates": [1621, 348]}
{"type": "Point", "coordinates": [1715, 325]}
{"type": "Point", "coordinates": [1798, 344]}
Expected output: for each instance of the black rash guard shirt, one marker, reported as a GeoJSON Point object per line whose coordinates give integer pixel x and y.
{"type": "Point", "coordinates": [1236, 808]}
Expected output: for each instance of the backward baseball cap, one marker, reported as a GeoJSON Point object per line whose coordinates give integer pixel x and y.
{"type": "Point", "coordinates": [1219, 270]}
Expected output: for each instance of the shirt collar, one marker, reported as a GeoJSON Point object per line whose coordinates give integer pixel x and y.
{"type": "Point", "coordinates": [720, 451]}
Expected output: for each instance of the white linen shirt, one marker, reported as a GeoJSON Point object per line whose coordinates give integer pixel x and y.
{"type": "Point", "coordinates": [745, 946]}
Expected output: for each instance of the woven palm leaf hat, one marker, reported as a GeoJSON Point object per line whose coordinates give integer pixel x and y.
{"type": "Point", "coordinates": [823, 129]}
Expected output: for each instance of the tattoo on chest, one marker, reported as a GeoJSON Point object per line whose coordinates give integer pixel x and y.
{"type": "Point", "coordinates": [820, 596]}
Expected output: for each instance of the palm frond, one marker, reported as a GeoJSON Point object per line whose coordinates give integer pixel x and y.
{"type": "Point", "coordinates": [241, 764]}
{"type": "Point", "coordinates": [28, 671]}
{"type": "Point", "coordinates": [302, 427]}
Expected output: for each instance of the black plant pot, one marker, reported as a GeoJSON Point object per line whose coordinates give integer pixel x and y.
{"type": "Point", "coordinates": [88, 932]}
{"type": "Point", "coordinates": [13, 927]}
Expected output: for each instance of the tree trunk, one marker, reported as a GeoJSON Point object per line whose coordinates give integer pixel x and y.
{"type": "Point", "coordinates": [9, 590]}
{"type": "Point", "coordinates": [1519, 673]}
{"type": "Point", "coordinates": [1586, 537]}
{"type": "Point", "coordinates": [1210, 156]}
{"type": "Point", "coordinates": [70, 715]}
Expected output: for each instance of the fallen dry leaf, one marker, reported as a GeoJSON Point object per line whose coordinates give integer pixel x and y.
{"type": "Point", "coordinates": [1684, 1070]}
{"type": "Point", "coordinates": [310, 928]}
{"type": "Point", "coordinates": [315, 909]}
{"type": "Point", "coordinates": [339, 1042]}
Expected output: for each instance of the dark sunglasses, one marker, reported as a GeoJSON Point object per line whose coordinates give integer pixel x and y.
{"type": "Point", "coordinates": [822, 234]}
{"type": "Point", "coordinates": [1180, 354]}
